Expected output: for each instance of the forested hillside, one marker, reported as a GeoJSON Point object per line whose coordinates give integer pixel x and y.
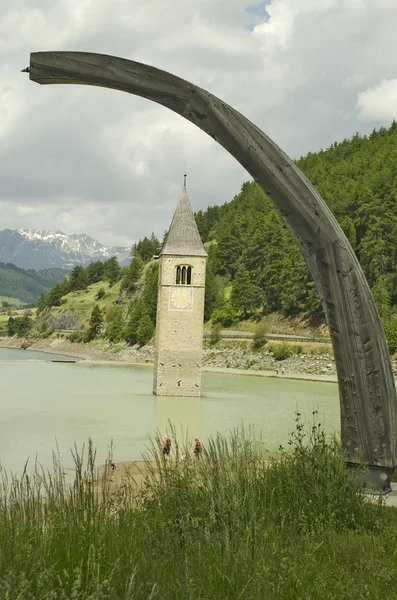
{"type": "Point", "coordinates": [27, 285]}
{"type": "Point", "coordinates": [251, 245]}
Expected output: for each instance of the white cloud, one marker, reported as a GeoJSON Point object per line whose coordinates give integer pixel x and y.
{"type": "Point", "coordinates": [378, 103]}
{"type": "Point", "coordinates": [87, 159]}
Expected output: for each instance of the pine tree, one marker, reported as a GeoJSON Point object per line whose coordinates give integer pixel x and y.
{"type": "Point", "coordinates": [78, 279]}
{"type": "Point", "coordinates": [95, 324]}
{"type": "Point", "coordinates": [41, 304]}
{"type": "Point", "coordinates": [382, 298]}
{"type": "Point", "coordinates": [95, 272]}
{"type": "Point", "coordinates": [211, 292]}
{"type": "Point", "coordinates": [147, 248]}
{"type": "Point", "coordinates": [245, 296]}
{"type": "Point", "coordinates": [145, 330]}
{"type": "Point", "coordinates": [114, 319]}
{"type": "Point", "coordinates": [132, 274]}
{"type": "Point", "coordinates": [151, 290]}
{"type": "Point", "coordinates": [11, 329]}
{"type": "Point", "coordinates": [112, 270]}
{"type": "Point", "coordinates": [54, 296]}
{"type": "Point", "coordinates": [131, 329]}
{"type": "Point", "coordinates": [276, 268]}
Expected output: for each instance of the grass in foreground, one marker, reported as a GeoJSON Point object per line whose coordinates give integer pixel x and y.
{"type": "Point", "coordinates": [226, 526]}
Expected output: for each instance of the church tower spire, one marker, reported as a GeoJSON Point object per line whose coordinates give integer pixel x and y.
{"type": "Point", "coordinates": [180, 306]}
{"type": "Point", "coordinates": [183, 238]}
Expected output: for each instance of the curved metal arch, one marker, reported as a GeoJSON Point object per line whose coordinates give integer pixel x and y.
{"type": "Point", "coordinates": [366, 383]}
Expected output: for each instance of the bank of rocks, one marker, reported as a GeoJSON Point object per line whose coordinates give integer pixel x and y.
{"type": "Point", "coordinates": [241, 355]}
{"type": "Point", "coordinates": [226, 354]}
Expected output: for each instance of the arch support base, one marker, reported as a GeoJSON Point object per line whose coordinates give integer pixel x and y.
{"type": "Point", "coordinates": [374, 479]}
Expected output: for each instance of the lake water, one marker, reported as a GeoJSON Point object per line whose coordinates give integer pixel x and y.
{"type": "Point", "coordinates": [44, 403]}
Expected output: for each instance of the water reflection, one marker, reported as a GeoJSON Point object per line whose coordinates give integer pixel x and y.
{"type": "Point", "coordinates": [184, 414]}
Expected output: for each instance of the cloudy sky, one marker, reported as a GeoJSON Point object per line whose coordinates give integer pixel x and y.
{"type": "Point", "coordinates": [81, 159]}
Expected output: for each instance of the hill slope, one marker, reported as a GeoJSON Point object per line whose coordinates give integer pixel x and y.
{"type": "Point", "coordinates": [358, 180]}
{"type": "Point", "coordinates": [27, 285]}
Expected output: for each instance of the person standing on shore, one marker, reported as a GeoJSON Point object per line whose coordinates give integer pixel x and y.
{"type": "Point", "coordinates": [197, 448]}
{"type": "Point", "coordinates": [166, 445]}
{"type": "Point", "coordinates": [112, 469]}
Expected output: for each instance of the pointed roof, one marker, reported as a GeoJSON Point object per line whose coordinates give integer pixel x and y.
{"type": "Point", "coordinates": [183, 236]}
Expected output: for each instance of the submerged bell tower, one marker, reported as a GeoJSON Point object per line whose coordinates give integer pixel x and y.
{"type": "Point", "coordinates": [180, 306]}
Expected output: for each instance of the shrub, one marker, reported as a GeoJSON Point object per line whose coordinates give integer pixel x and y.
{"type": "Point", "coordinates": [282, 351]}
{"type": "Point", "coordinates": [47, 332]}
{"type": "Point", "coordinates": [260, 337]}
{"type": "Point", "coordinates": [225, 316]}
{"type": "Point", "coordinates": [76, 337]}
{"type": "Point", "coordinates": [100, 294]}
{"type": "Point", "coordinates": [215, 335]}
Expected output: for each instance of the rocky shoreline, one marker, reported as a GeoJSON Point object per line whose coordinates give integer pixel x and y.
{"type": "Point", "coordinates": [313, 362]}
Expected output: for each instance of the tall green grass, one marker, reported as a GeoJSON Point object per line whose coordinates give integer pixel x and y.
{"type": "Point", "coordinates": [228, 525]}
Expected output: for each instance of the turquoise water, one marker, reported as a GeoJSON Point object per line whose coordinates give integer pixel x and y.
{"type": "Point", "coordinates": [43, 404]}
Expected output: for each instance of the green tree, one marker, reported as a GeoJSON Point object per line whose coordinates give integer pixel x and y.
{"type": "Point", "coordinates": [95, 324]}
{"type": "Point", "coordinates": [147, 248]}
{"type": "Point", "coordinates": [145, 330]}
{"type": "Point", "coordinates": [225, 316]}
{"type": "Point", "coordinates": [54, 296]}
{"type": "Point", "coordinates": [78, 279]}
{"type": "Point", "coordinates": [211, 300]}
{"type": "Point", "coordinates": [390, 327]}
{"type": "Point", "coordinates": [150, 290]}
{"type": "Point", "coordinates": [11, 329]}
{"type": "Point", "coordinates": [20, 326]}
{"type": "Point", "coordinates": [95, 272]}
{"type": "Point", "coordinates": [41, 304]}
{"type": "Point", "coordinates": [115, 322]}
{"type": "Point", "coordinates": [130, 332]}
{"type": "Point", "coordinates": [132, 274]}
{"type": "Point", "coordinates": [245, 296]}
{"type": "Point", "coordinates": [112, 270]}
{"type": "Point", "coordinates": [276, 269]}
{"type": "Point", "coordinates": [349, 230]}
{"type": "Point", "coordinates": [381, 296]}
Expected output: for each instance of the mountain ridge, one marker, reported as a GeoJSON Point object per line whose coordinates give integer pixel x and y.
{"type": "Point", "coordinates": [41, 249]}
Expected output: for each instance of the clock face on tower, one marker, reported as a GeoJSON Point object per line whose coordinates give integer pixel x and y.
{"type": "Point", "coordinates": [181, 298]}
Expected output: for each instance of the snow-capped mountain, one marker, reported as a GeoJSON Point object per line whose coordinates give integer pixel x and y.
{"type": "Point", "coordinates": [34, 249]}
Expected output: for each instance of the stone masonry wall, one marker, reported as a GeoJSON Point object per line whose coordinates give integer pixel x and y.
{"type": "Point", "coordinates": [179, 333]}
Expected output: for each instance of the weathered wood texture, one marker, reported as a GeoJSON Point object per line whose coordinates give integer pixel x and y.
{"type": "Point", "coordinates": [366, 382]}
